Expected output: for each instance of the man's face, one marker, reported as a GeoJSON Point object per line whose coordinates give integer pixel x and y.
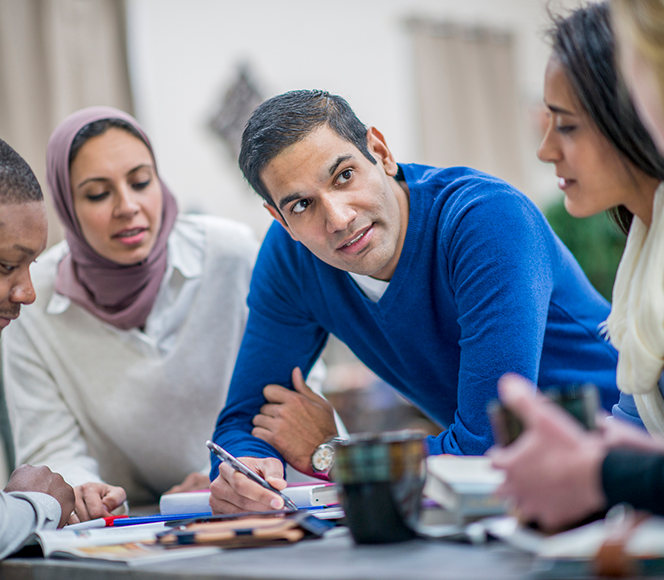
{"type": "Point", "coordinates": [349, 212]}
{"type": "Point", "coordinates": [23, 229]}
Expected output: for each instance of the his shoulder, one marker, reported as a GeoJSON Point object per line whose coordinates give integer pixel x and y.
{"type": "Point", "coordinates": [463, 190]}
{"type": "Point", "coordinates": [461, 201]}
{"type": "Point", "coordinates": [435, 179]}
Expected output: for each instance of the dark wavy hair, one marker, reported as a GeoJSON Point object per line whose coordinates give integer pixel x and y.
{"type": "Point", "coordinates": [584, 44]}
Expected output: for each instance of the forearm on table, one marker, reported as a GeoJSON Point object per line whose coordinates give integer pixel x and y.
{"type": "Point", "coordinates": [21, 514]}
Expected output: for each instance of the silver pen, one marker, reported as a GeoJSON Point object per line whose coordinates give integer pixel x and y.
{"type": "Point", "coordinates": [236, 464]}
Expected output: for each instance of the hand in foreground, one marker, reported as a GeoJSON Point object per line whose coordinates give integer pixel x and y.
{"type": "Point", "coordinates": [96, 500]}
{"type": "Point", "coordinates": [42, 479]}
{"type": "Point", "coordinates": [193, 482]}
{"type": "Point", "coordinates": [295, 422]}
{"type": "Point", "coordinates": [233, 492]}
{"type": "Point", "coordinates": [553, 470]}
{"type": "Point", "coordinates": [616, 433]}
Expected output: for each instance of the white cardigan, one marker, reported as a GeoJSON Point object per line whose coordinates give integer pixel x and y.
{"type": "Point", "coordinates": [96, 403]}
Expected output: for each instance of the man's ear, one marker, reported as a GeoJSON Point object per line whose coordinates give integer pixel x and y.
{"type": "Point", "coordinates": [379, 149]}
{"type": "Point", "coordinates": [276, 214]}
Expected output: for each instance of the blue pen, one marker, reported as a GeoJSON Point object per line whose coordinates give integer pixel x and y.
{"type": "Point", "coordinates": [132, 521]}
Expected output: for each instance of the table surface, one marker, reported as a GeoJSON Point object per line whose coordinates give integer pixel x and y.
{"type": "Point", "coordinates": [332, 558]}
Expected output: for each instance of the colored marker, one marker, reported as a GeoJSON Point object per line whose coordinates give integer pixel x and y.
{"type": "Point", "coordinates": [97, 523]}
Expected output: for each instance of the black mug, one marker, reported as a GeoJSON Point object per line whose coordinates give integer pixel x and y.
{"type": "Point", "coordinates": [382, 477]}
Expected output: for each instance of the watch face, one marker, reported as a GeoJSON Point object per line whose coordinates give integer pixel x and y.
{"type": "Point", "coordinates": [323, 458]}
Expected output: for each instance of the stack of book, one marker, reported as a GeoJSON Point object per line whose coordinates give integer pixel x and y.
{"type": "Point", "coordinates": [463, 486]}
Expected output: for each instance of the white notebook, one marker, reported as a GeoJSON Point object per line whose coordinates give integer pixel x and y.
{"type": "Point", "coordinates": [198, 502]}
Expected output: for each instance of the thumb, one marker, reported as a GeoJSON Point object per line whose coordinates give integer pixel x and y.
{"type": "Point", "coordinates": [113, 498]}
{"type": "Point", "coordinates": [301, 387]}
{"type": "Point", "coordinates": [272, 471]}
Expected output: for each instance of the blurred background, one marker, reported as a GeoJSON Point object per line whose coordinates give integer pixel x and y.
{"type": "Point", "coordinates": [448, 82]}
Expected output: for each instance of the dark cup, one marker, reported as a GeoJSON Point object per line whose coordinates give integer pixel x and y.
{"type": "Point", "coordinates": [382, 477]}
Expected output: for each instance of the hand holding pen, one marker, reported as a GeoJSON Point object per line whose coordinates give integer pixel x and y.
{"type": "Point", "coordinates": [233, 494]}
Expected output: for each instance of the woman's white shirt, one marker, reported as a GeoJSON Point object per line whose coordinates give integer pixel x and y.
{"type": "Point", "coordinates": [186, 252]}
{"type": "Point", "coordinates": [132, 407]}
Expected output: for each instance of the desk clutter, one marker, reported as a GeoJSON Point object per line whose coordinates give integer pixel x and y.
{"type": "Point", "coordinates": [455, 503]}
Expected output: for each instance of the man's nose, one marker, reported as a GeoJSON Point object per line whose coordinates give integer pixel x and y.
{"type": "Point", "coordinates": [23, 292]}
{"type": "Point", "coordinates": [338, 214]}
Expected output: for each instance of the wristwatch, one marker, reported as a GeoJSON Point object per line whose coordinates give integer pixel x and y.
{"type": "Point", "coordinates": [322, 459]}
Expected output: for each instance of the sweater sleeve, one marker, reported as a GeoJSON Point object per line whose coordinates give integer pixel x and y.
{"type": "Point", "coordinates": [634, 477]}
{"type": "Point", "coordinates": [279, 336]}
{"type": "Point", "coordinates": [45, 431]}
{"type": "Point", "coordinates": [23, 513]}
{"type": "Point", "coordinates": [499, 266]}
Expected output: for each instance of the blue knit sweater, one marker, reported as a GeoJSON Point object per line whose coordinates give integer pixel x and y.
{"type": "Point", "coordinates": [483, 286]}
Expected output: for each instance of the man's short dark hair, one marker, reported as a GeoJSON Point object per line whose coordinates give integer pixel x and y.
{"type": "Point", "coordinates": [286, 119]}
{"type": "Point", "coordinates": [18, 183]}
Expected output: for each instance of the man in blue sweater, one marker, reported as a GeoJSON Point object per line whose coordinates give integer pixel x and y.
{"type": "Point", "coordinates": [439, 280]}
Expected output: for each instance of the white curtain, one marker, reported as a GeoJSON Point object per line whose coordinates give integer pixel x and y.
{"type": "Point", "coordinates": [57, 56]}
{"type": "Point", "coordinates": [468, 104]}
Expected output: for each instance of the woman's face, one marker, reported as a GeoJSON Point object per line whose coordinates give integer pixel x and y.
{"type": "Point", "coordinates": [591, 172]}
{"type": "Point", "coordinates": [117, 196]}
{"type": "Point", "coordinates": [645, 91]}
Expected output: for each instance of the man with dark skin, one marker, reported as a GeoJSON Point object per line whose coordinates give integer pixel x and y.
{"type": "Point", "coordinates": [35, 497]}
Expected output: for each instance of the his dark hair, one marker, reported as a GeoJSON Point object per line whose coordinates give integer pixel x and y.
{"type": "Point", "coordinates": [584, 45]}
{"type": "Point", "coordinates": [99, 128]}
{"type": "Point", "coordinates": [18, 183]}
{"type": "Point", "coordinates": [285, 120]}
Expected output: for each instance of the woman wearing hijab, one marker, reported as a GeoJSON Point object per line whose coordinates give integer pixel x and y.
{"type": "Point", "coordinates": [115, 375]}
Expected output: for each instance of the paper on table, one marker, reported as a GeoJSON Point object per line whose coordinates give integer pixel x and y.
{"type": "Point", "coordinates": [310, 495]}
{"type": "Point", "coordinates": [132, 545]}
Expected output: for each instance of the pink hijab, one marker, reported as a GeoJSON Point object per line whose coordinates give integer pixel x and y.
{"type": "Point", "coordinates": [120, 295]}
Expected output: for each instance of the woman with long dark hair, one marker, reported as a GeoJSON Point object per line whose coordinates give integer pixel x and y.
{"type": "Point", "coordinates": [605, 160]}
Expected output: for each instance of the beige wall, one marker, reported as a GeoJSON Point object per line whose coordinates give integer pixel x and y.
{"type": "Point", "coordinates": [183, 56]}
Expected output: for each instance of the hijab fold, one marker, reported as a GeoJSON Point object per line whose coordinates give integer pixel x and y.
{"type": "Point", "coordinates": [118, 294]}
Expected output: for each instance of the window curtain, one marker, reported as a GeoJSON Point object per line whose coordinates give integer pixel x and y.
{"type": "Point", "coordinates": [469, 113]}
{"type": "Point", "coordinates": [57, 56]}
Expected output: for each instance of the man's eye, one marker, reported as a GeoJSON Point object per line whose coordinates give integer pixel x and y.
{"type": "Point", "coordinates": [300, 206]}
{"type": "Point", "coordinates": [345, 176]}
{"type": "Point", "coordinates": [7, 268]}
